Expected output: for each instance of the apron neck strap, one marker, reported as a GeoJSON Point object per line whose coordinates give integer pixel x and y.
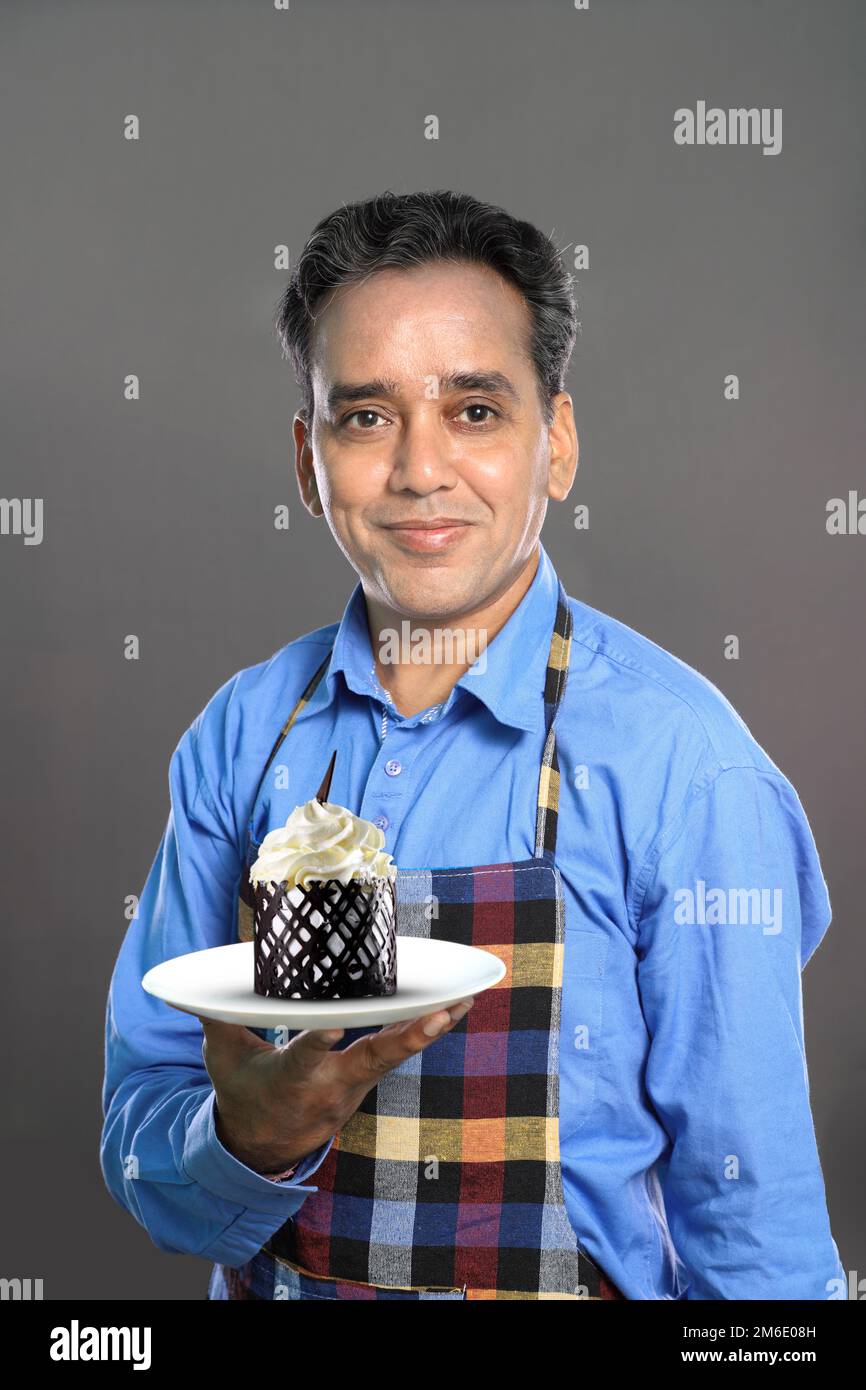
{"type": "Point", "coordinates": [305, 698]}
{"type": "Point", "coordinates": [547, 811]}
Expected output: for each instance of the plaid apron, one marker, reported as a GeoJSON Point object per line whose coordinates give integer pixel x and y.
{"type": "Point", "coordinates": [446, 1182]}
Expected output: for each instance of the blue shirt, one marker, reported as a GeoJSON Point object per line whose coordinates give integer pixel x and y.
{"type": "Point", "coordinates": [694, 897]}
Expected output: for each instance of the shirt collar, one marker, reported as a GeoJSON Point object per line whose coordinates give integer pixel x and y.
{"type": "Point", "coordinates": [508, 677]}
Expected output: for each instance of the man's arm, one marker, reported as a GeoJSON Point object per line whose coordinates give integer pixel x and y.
{"type": "Point", "coordinates": [160, 1155]}
{"type": "Point", "coordinates": [735, 905]}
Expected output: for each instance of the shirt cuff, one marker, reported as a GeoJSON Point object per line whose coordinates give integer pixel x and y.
{"type": "Point", "coordinates": [303, 1168]}
{"type": "Point", "coordinates": [208, 1162]}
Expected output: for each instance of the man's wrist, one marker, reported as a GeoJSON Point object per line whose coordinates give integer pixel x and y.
{"type": "Point", "coordinates": [260, 1159]}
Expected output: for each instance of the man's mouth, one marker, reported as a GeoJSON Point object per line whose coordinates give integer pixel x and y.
{"type": "Point", "coordinates": [428, 536]}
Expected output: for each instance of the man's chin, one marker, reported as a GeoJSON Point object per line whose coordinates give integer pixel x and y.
{"type": "Point", "coordinates": [432, 591]}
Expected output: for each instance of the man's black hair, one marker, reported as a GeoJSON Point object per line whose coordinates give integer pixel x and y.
{"type": "Point", "coordinates": [412, 229]}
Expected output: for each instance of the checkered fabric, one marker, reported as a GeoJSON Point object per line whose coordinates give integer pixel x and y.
{"type": "Point", "coordinates": [446, 1182]}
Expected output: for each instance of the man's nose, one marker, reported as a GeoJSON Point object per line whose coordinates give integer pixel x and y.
{"type": "Point", "coordinates": [422, 460]}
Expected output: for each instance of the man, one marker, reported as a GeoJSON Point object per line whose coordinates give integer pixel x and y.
{"type": "Point", "coordinates": [627, 1114]}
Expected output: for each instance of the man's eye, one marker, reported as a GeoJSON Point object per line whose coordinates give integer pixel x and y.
{"type": "Point", "coordinates": [375, 414]}
{"type": "Point", "coordinates": [479, 406]}
{"type": "Point", "coordinates": [367, 417]}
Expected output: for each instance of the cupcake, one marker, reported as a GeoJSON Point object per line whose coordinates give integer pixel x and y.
{"type": "Point", "coordinates": [324, 906]}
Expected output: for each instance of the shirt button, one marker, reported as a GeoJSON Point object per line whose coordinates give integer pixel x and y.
{"type": "Point", "coordinates": [393, 767]}
{"type": "Point", "coordinates": [382, 822]}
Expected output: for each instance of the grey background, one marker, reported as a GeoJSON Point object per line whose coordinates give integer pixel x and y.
{"type": "Point", "coordinates": [156, 257]}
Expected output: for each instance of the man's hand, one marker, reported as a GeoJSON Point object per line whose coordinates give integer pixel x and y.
{"type": "Point", "coordinates": [274, 1106]}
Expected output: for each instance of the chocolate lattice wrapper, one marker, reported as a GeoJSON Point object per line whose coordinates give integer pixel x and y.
{"type": "Point", "coordinates": [330, 940]}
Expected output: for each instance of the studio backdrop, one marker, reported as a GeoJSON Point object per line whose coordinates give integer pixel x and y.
{"type": "Point", "coordinates": [163, 164]}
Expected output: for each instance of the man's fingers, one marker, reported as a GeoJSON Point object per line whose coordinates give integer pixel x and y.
{"type": "Point", "coordinates": [377, 1053]}
{"type": "Point", "coordinates": [310, 1048]}
{"type": "Point", "coordinates": [229, 1037]}
{"type": "Point", "coordinates": [363, 1061]}
{"type": "Point", "coordinates": [235, 1039]}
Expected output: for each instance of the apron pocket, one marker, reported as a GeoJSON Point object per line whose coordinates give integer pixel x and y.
{"type": "Point", "coordinates": [293, 1282]}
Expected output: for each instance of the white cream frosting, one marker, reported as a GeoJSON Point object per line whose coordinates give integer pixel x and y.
{"type": "Point", "coordinates": [321, 840]}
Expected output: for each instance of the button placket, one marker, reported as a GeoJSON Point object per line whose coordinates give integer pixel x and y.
{"type": "Point", "coordinates": [396, 771]}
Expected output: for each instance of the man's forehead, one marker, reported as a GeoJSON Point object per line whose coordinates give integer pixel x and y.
{"type": "Point", "coordinates": [423, 303]}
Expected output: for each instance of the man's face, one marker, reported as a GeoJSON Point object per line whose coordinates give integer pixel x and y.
{"type": "Point", "coordinates": [427, 410]}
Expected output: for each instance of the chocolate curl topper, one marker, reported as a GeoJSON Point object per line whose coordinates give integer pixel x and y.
{"type": "Point", "coordinates": [322, 793]}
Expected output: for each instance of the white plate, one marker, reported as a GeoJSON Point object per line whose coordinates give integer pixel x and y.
{"type": "Point", "coordinates": [218, 983]}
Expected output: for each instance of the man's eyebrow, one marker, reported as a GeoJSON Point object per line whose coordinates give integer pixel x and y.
{"type": "Point", "coordinates": [494, 383]}
{"type": "Point", "coordinates": [344, 392]}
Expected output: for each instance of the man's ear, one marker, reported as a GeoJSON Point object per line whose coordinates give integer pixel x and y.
{"type": "Point", "coordinates": [304, 469]}
{"type": "Point", "coordinates": [564, 448]}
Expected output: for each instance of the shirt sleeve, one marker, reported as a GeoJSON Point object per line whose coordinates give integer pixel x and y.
{"type": "Point", "coordinates": [736, 904]}
{"type": "Point", "coordinates": [159, 1152]}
